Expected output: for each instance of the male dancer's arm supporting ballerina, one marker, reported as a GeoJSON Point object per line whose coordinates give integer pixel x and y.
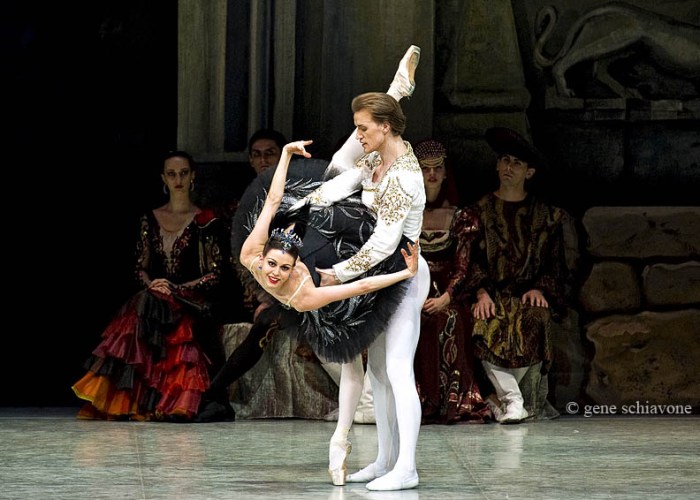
{"type": "Point", "coordinates": [273, 260]}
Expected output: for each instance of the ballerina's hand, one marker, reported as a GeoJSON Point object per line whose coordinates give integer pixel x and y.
{"type": "Point", "coordinates": [411, 258]}
{"type": "Point", "coordinates": [299, 148]}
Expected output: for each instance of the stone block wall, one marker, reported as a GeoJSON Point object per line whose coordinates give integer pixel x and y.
{"type": "Point", "coordinates": [640, 305]}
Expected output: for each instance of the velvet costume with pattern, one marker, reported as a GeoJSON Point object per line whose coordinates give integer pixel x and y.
{"type": "Point", "coordinates": [340, 331]}
{"type": "Point", "coordinates": [150, 364]}
{"type": "Point", "coordinates": [520, 248]}
{"type": "Point", "coordinates": [444, 362]}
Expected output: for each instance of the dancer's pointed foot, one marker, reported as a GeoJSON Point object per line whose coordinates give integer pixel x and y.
{"type": "Point", "coordinates": [394, 480]}
{"type": "Point", "coordinates": [337, 457]}
{"type": "Point", "coordinates": [403, 84]}
{"type": "Point", "coordinates": [369, 473]}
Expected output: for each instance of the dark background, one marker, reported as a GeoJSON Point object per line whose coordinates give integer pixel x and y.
{"type": "Point", "coordinates": [89, 105]}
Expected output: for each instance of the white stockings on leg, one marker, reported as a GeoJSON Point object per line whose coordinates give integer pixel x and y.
{"type": "Point", "coordinates": [351, 381]}
{"type": "Point", "coordinates": [349, 391]}
{"type": "Point", "coordinates": [396, 405]}
{"type": "Point", "coordinates": [392, 377]}
{"type": "Point", "coordinates": [352, 377]}
{"type": "Point", "coordinates": [364, 413]}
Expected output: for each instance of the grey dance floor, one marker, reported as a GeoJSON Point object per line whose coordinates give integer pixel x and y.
{"type": "Point", "coordinates": [45, 453]}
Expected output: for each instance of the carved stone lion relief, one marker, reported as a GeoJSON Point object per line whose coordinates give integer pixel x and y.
{"type": "Point", "coordinates": [634, 53]}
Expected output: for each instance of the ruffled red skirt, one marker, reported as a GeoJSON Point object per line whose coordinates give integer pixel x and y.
{"type": "Point", "coordinates": [148, 365]}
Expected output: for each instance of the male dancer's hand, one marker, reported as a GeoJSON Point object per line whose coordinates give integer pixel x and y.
{"type": "Point", "coordinates": [328, 277]}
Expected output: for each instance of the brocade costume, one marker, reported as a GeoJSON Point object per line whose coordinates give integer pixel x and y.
{"type": "Point", "coordinates": [520, 248]}
{"type": "Point", "coordinates": [396, 200]}
{"type": "Point", "coordinates": [150, 364]}
{"type": "Point", "coordinates": [444, 362]}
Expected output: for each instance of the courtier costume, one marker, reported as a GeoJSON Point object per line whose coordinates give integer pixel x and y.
{"type": "Point", "coordinates": [150, 364]}
{"type": "Point", "coordinates": [520, 248]}
{"type": "Point", "coordinates": [444, 361]}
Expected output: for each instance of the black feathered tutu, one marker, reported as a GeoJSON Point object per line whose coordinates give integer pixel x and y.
{"type": "Point", "coordinates": [339, 331]}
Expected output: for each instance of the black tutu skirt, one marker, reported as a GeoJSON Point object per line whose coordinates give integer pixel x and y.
{"type": "Point", "coordinates": [340, 331]}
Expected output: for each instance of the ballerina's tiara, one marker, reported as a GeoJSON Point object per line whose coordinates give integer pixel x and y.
{"type": "Point", "coordinates": [287, 238]}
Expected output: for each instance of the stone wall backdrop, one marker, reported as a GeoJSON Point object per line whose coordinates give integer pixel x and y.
{"type": "Point", "coordinates": [641, 305]}
{"type": "Point", "coordinates": [610, 92]}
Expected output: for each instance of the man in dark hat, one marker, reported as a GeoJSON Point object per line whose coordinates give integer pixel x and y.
{"type": "Point", "coordinates": [506, 141]}
{"type": "Point", "coordinates": [516, 274]}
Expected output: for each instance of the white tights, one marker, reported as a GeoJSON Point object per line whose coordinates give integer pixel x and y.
{"type": "Point", "coordinates": [397, 408]}
{"type": "Point", "coordinates": [352, 373]}
{"type": "Point", "coordinates": [352, 376]}
{"type": "Point", "coordinates": [390, 365]}
{"type": "Point", "coordinates": [344, 159]}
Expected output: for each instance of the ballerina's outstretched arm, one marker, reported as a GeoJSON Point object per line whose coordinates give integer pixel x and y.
{"type": "Point", "coordinates": [316, 297]}
{"type": "Point", "coordinates": [255, 242]}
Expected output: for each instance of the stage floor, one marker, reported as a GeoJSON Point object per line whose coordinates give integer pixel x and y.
{"type": "Point", "coordinates": [46, 453]}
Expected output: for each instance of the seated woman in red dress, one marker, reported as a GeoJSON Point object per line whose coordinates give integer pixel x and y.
{"type": "Point", "coordinates": [150, 364]}
{"type": "Point", "coordinates": [444, 363]}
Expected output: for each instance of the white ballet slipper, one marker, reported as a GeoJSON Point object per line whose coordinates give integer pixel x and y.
{"type": "Point", "coordinates": [369, 473]}
{"type": "Point", "coordinates": [394, 480]}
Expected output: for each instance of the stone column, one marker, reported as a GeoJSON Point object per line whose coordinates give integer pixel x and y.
{"type": "Point", "coordinates": [482, 84]}
{"type": "Point", "coordinates": [201, 77]}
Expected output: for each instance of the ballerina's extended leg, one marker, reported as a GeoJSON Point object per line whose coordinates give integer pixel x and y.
{"type": "Point", "coordinates": [401, 86]}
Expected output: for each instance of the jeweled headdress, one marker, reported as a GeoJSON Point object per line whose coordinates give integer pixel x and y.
{"type": "Point", "coordinates": [288, 239]}
{"type": "Point", "coordinates": [429, 148]}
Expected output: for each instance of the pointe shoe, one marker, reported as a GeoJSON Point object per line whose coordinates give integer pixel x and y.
{"type": "Point", "coordinates": [403, 83]}
{"type": "Point", "coordinates": [366, 475]}
{"type": "Point", "coordinates": [393, 481]}
{"type": "Point", "coordinates": [338, 473]}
